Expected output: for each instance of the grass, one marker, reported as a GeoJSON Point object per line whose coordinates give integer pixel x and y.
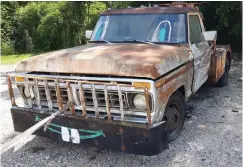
{"type": "Point", "coordinates": [12, 59]}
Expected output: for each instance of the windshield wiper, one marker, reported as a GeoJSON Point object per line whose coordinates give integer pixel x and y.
{"type": "Point", "coordinates": [103, 41]}
{"type": "Point", "coordinates": [135, 40]}
{"type": "Point", "coordinates": [106, 41]}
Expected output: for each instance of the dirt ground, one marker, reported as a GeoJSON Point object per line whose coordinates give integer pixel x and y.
{"type": "Point", "coordinates": [212, 135]}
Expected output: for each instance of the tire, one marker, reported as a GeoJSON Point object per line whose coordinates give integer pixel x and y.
{"type": "Point", "coordinates": [223, 81]}
{"type": "Point", "coordinates": [174, 115]}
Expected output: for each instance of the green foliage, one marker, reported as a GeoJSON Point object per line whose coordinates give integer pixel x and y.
{"type": "Point", "coordinates": [118, 4]}
{"type": "Point", "coordinates": [28, 27]}
{"type": "Point", "coordinates": [227, 21]}
{"type": "Point", "coordinates": [8, 19]}
{"type": "Point", "coordinates": [7, 48]}
{"type": "Point", "coordinates": [8, 22]}
{"type": "Point", "coordinates": [50, 25]}
{"type": "Point", "coordinates": [93, 9]}
{"type": "Point", "coordinates": [229, 16]}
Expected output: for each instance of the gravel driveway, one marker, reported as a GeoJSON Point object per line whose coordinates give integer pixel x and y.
{"type": "Point", "coordinates": [211, 136]}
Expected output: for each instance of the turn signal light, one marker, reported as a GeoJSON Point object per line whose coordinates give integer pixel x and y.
{"type": "Point", "coordinates": [19, 79]}
{"type": "Point", "coordinates": [142, 85]}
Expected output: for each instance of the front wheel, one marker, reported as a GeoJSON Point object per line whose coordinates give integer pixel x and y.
{"type": "Point", "coordinates": [174, 115]}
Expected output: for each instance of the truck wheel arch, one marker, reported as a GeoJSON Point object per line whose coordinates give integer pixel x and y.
{"type": "Point", "coordinates": [164, 97]}
{"type": "Point", "coordinates": [171, 91]}
{"type": "Point", "coordinates": [181, 83]}
{"type": "Point", "coordinates": [182, 90]}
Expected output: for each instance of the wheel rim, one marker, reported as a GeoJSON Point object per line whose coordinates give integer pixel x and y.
{"type": "Point", "coordinates": [172, 117]}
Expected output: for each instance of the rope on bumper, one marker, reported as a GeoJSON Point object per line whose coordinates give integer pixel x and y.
{"type": "Point", "coordinates": [94, 135]}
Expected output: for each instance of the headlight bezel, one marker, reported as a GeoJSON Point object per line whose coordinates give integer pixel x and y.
{"type": "Point", "coordinates": [130, 96]}
{"type": "Point", "coordinates": [139, 98]}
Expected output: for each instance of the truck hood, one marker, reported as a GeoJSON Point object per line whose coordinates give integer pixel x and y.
{"type": "Point", "coordinates": [133, 60]}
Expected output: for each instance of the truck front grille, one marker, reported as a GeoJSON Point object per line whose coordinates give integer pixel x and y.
{"type": "Point", "coordinates": [91, 98]}
{"type": "Point", "coordinates": [100, 96]}
{"type": "Point", "coordinates": [52, 90]}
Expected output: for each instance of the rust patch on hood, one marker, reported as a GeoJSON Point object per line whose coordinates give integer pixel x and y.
{"type": "Point", "coordinates": [138, 60]}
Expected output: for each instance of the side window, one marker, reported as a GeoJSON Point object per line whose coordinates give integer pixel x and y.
{"type": "Point", "coordinates": [195, 29]}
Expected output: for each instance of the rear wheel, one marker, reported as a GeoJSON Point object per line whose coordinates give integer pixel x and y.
{"type": "Point", "coordinates": [174, 116]}
{"type": "Point", "coordinates": [223, 81]}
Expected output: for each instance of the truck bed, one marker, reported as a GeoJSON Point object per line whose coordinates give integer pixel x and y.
{"type": "Point", "coordinates": [218, 63]}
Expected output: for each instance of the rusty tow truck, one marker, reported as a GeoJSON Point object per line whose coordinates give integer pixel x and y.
{"type": "Point", "coordinates": [130, 83]}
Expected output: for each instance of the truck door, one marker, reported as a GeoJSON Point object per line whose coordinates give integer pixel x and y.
{"type": "Point", "coordinates": [200, 51]}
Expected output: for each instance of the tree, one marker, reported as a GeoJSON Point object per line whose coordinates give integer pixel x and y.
{"type": "Point", "coordinates": [8, 22]}
{"type": "Point", "coordinates": [226, 18]}
{"type": "Point", "coordinates": [46, 26]}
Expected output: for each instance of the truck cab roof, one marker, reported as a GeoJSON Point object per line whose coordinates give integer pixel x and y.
{"type": "Point", "coordinates": [150, 10]}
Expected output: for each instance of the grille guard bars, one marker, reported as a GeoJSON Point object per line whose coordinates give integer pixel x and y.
{"type": "Point", "coordinates": [75, 79]}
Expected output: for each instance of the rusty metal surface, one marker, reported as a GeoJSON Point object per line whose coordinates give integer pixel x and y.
{"type": "Point", "coordinates": [227, 47]}
{"type": "Point", "coordinates": [72, 86]}
{"type": "Point", "coordinates": [10, 91]}
{"type": "Point", "coordinates": [123, 60]}
{"type": "Point", "coordinates": [137, 60]}
{"type": "Point", "coordinates": [182, 77]}
{"type": "Point", "coordinates": [107, 103]}
{"type": "Point", "coordinates": [201, 53]}
{"type": "Point", "coordinates": [48, 95]}
{"type": "Point", "coordinates": [58, 94]}
{"type": "Point", "coordinates": [147, 106]}
{"type": "Point", "coordinates": [182, 4]}
{"type": "Point", "coordinates": [81, 95]}
{"type": "Point", "coordinates": [37, 96]}
{"type": "Point", "coordinates": [150, 10]}
{"type": "Point", "coordinates": [70, 98]}
{"type": "Point", "coordinates": [27, 87]}
{"type": "Point", "coordinates": [121, 103]}
{"type": "Point", "coordinates": [174, 75]}
{"type": "Point", "coordinates": [124, 136]}
{"type": "Point", "coordinates": [217, 65]}
{"type": "Point", "coordinates": [95, 101]}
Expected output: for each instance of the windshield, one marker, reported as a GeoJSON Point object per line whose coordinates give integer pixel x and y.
{"type": "Point", "coordinates": [162, 28]}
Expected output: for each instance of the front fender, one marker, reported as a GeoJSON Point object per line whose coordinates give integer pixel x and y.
{"type": "Point", "coordinates": [167, 85]}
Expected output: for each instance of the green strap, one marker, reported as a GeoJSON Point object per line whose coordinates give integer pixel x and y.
{"type": "Point", "coordinates": [94, 135]}
{"type": "Point", "coordinates": [54, 130]}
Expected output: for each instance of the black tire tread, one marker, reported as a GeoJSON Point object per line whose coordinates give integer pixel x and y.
{"type": "Point", "coordinates": [178, 96]}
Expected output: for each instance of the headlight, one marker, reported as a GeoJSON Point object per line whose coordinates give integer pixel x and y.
{"type": "Point", "coordinates": [139, 102]}
{"type": "Point", "coordinates": [30, 93]}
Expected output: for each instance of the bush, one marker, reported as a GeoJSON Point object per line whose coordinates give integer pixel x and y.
{"type": "Point", "coordinates": [7, 47]}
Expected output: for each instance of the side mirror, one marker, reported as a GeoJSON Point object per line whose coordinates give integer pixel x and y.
{"type": "Point", "coordinates": [210, 36]}
{"type": "Point", "coordinates": [88, 34]}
